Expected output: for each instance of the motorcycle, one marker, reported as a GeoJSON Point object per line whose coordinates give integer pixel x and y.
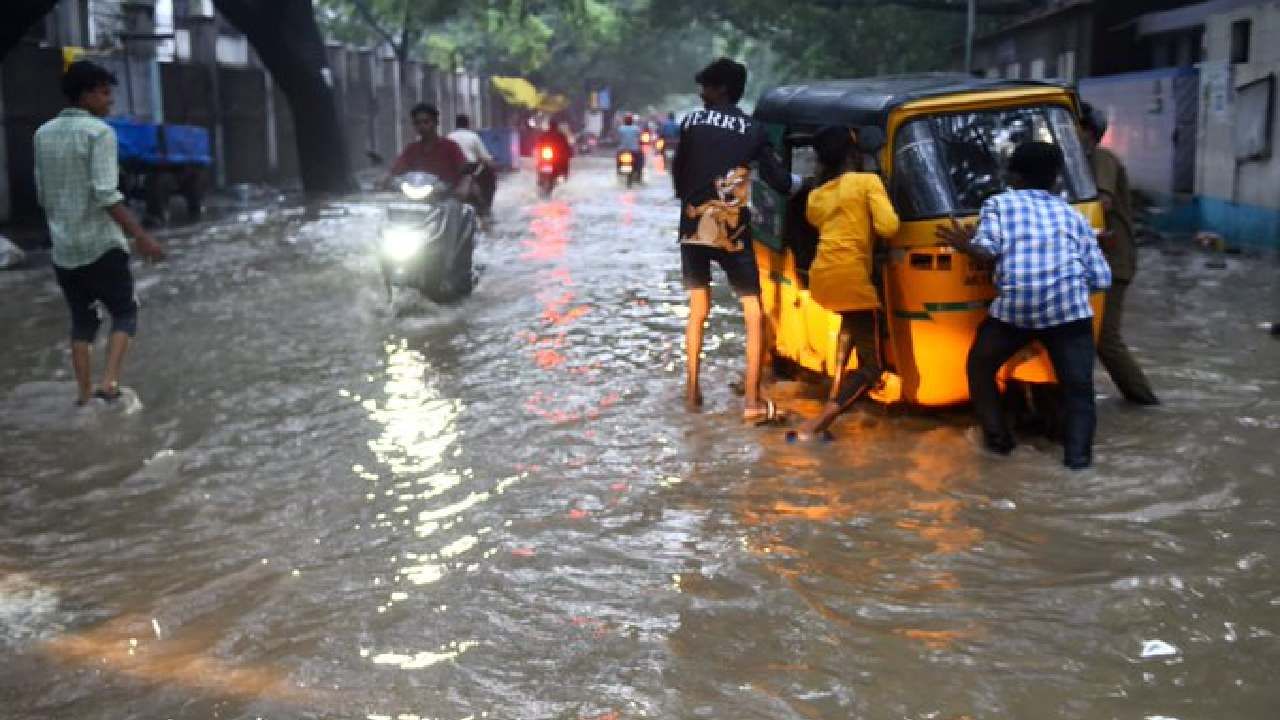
{"type": "Point", "coordinates": [664, 149]}
{"type": "Point", "coordinates": [548, 171]}
{"type": "Point", "coordinates": [426, 240]}
{"type": "Point", "coordinates": [587, 143]}
{"type": "Point", "coordinates": [630, 167]}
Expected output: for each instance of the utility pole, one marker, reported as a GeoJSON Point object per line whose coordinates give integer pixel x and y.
{"type": "Point", "coordinates": [968, 35]}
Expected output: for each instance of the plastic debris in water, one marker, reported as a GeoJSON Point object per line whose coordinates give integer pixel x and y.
{"type": "Point", "coordinates": [1157, 649]}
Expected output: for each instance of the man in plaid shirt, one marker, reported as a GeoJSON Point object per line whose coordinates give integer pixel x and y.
{"type": "Point", "coordinates": [1047, 261]}
{"type": "Point", "coordinates": [76, 182]}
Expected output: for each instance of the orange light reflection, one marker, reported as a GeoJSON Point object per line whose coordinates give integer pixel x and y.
{"type": "Point", "coordinates": [918, 497]}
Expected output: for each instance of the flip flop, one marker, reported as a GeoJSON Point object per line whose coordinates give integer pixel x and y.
{"type": "Point", "coordinates": [768, 415]}
{"type": "Point", "coordinates": [106, 396]}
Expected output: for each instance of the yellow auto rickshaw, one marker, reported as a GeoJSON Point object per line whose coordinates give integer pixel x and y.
{"type": "Point", "coordinates": [940, 141]}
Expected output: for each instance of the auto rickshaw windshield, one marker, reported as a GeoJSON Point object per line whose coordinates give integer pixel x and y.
{"type": "Point", "coordinates": [952, 163]}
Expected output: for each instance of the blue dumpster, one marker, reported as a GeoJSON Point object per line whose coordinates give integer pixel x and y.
{"type": "Point", "coordinates": [137, 143]}
{"type": "Point", "coordinates": [502, 145]}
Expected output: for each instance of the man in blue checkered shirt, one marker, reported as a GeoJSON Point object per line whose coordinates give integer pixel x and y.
{"type": "Point", "coordinates": [1047, 261]}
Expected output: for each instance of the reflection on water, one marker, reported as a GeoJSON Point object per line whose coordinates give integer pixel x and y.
{"type": "Point", "coordinates": [126, 646]}
{"type": "Point", "coordinates": [500, 509]}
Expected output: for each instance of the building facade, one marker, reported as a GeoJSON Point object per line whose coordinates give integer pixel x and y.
{"type": "Point", "coordinates": [1189, 92]}
{"type": "Point", "coordinates": [1237, 180]}
{"type": "Point", "coordinates": [1073, 39]}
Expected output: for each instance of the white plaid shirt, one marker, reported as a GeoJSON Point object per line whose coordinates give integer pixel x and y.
{"type": "Point", "coordinates": [1047, 258]}
{"type": "Point", "coordinates": [76, 181]}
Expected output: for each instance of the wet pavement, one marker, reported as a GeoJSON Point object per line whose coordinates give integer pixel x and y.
{"type": "Point", "coordinates": [324, 507]}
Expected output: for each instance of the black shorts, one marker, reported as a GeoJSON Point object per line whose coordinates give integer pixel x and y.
{"type": "Point", "coordinates": [740, 267]}
{"type": "Point", "coordinates": [106, 280]}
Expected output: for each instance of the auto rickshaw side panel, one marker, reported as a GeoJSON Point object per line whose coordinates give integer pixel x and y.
{"type": "Point", "coordinates": [796, 327]}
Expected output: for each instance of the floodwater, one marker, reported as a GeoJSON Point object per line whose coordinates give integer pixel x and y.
{"type": "Point", "coordinates": [320, 507]}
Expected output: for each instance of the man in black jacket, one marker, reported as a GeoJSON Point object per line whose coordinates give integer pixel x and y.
{"type": "Point", "coordinates": [712, 176]}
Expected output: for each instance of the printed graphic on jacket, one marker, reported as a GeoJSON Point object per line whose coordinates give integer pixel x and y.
{"type": "Point", "coordinates": [722, 220]}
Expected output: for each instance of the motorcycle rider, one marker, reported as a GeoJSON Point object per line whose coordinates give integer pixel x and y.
{"type": "Point", "coordinates": [480, 164]}
{"type": "Point", "coordinates": [669, 131]}
{"type": "Point", "coordinates": [431, 153]}
{"type": "Point", "coordinates": [629, 141]}
{"type": "Point", "coordinates": [560, 146]}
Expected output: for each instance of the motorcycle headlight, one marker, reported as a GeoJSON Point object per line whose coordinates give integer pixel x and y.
{"type": "Point", "coordinates": [401, 243]}
{"type": "Point", "coordinates": [416, 192]}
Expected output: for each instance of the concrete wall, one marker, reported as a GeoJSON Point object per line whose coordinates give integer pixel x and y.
{"type": "Point", "coordinates": [244, 124]}
{"type": "Point", "coordinates": [1219, 175]}
{"type": "Point", "coordinates": [1151, 125]}
{"type": "Point", "coordinates": [1039, 45]}
{"type": "Point", "coordinates": [1238, 198]}
{"type": "Point", "coordinates": [31, 97]}
{"type": "Point", "coordinates": [5, 206]}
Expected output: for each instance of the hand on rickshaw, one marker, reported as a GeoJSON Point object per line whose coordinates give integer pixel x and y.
{"type": "Point", "coordinates": [956, 235]}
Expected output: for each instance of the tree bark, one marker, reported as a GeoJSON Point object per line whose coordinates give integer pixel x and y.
{"type": "Point", "coordinates": [17, 17]}
{"type": "Point", "coordinates": [285, 35]}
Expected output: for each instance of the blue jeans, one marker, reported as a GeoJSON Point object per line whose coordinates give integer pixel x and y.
{"type": "Point", "coordinates": [1070, 347]}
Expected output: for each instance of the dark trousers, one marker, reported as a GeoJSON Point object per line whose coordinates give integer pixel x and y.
{"type": "Point", "coordinates": [1071, 350]}
{"type": "Point", "coordinates": [106, 281]}
{"type": "Point", "coordinates": [486, 181]}
{"type": "Point", "coordinates": [1114, 353]}
{"type": "Point", "coordinates": [858, 334]}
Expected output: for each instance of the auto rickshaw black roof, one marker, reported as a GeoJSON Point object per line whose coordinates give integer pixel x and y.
{"type": "Point", "coordinates": [868, 101]}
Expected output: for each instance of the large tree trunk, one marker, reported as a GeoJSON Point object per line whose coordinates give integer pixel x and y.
{"type": "Point", "coordinates": [285, 35]}
{"type": "Point", "coordinates": [17, 17]}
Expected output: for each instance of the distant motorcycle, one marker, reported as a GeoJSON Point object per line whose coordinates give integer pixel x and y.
{"type": "Point", "coordinates": [549, 170]}
{"type": "Point", "coordinates": [666, 150]}
{"type": "Point", "coordinates": [630, 167]}
{"type": "Point", "coordinates": [587, 143]}
{"type": "Point", "coordinates": [426, 239]}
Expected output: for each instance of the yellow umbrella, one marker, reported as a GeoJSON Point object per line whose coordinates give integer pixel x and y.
{"type": "Point", "coordinates": [522, 93]}
{"type": "Point", "coordinates": [553, 103]}
{"type": "Point", "coordinates": [517, 91]}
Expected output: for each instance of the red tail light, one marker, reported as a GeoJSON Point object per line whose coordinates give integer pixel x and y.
{"type": "Point", "coordinates": [548, 154]}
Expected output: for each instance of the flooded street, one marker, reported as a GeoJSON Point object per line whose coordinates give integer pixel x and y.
{"type": "Point", "coordinates": [324, 508]}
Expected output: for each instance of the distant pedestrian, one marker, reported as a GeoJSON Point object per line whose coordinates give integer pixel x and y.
{"type": "Point", "coordinates": [1117, 243]}
{"type": "Point", "coordinates": [1047, 261]}
{"type": "Point", "coordinates": [77, 181]}
{"type": "Point", "coordinates": [669, 131]}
